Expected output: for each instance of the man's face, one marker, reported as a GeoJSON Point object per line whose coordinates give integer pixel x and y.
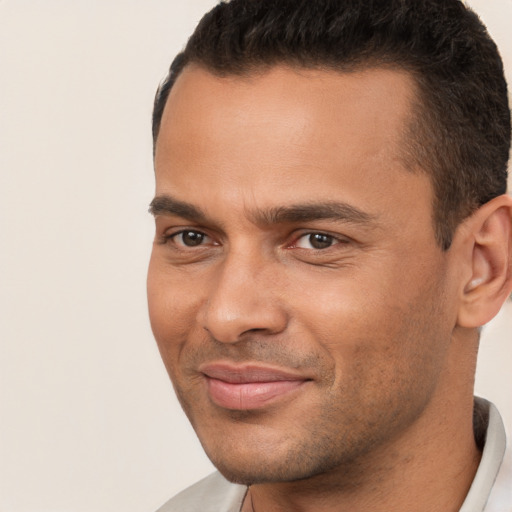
{"type": "Point", "coordinates": [298, 297]}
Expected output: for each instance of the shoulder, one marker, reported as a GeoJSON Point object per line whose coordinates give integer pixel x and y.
{"type": "Point", "coordinates": [212, 494]}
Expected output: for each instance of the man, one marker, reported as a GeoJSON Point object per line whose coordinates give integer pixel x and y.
{"type": "Point", "coordinates": [332, 229]}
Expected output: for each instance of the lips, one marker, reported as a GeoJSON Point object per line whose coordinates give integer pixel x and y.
{"type": "Point", "coordinates": [249, 387]}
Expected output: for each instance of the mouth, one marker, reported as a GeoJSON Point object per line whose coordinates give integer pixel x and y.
{"type": "Point", "coordinates": [249, 387]}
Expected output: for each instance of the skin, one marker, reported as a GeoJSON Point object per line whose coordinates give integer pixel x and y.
{"type": "Point", "coordinates": [371, 320]}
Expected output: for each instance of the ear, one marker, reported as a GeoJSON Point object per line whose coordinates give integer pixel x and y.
{"type": "Point", "coordinates": [488, 282]}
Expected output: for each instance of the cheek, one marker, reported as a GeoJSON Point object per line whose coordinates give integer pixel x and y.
{"type": "Point", "coordinates": [379, 330]}
{"type": "Point", "coordinates": [341, 310]}
{"type": "Point", "coordinates": [172, 312]}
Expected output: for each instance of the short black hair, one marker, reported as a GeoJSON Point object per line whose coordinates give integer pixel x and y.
{"type": "Point", "coordinates": [460, 131]}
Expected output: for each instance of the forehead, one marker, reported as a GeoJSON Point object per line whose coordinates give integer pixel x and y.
{"type": "Point", "coordinates": [374, 101]}
{"type": "Point", "coordinates": [284, 135]}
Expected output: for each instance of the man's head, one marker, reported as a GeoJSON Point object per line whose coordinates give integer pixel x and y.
{"type": "Point", "coordinates": [307, 308]}
{"type": "Point", "coordinates": [460, 133]}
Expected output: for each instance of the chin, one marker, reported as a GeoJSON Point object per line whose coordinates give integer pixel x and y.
{"type": "Point", "coordinates": [257, 474]}
{"type": "Point", "coordinates": [257, 465]}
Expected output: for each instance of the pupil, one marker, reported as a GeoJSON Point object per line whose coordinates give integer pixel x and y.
{"type": "Point", "coordinates": [319, 241]}
{"type": "Point", "coordinates": [192, 238]}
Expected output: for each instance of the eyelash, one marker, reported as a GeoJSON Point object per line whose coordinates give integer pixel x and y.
{"type": "Point", "coordinates": [332, 239]}
{"type": "Point", "coordinates": [173, 236]}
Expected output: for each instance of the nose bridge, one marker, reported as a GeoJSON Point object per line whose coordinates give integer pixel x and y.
{"type": "Point", "coordinates": [242, 297]}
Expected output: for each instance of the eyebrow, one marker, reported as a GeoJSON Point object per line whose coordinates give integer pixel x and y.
{"type": "Point", "coordinates": [167, 205]}
{"type": "Point", "coordinates": [308, 212]}
{"type": "Point", "coordinates": [295, 213]}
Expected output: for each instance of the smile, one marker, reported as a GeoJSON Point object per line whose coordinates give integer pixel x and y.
{"type": "Point", "coordinates": [249, 387]}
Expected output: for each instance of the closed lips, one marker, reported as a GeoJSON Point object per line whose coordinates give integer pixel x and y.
{"type": "Point", "coordinates": [248, 387]}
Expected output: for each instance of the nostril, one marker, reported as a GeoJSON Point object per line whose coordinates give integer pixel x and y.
{"type": "Point", "coordinates": [234, 307]}
{"type": "Point", "coordinates": [234, 328]}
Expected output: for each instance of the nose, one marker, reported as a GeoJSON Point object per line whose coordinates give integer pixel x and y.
{"type": "Point", "coordinates": [243, 297]}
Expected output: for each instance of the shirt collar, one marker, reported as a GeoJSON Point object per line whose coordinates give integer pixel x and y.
{"type": "Point", "coordinates": [492, 456]}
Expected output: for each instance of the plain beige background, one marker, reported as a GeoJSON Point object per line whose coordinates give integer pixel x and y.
{"type": "Point", "coordinates": [88, 420]}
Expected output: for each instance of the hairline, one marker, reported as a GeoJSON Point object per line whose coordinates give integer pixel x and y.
{"type": "Point", "coordinates": [416, 146]}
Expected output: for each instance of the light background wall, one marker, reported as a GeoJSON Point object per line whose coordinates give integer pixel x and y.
{"type": "Point", "coordinates": [88, 420]}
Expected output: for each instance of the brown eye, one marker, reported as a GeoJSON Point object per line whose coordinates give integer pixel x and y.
{"type": "Point", "coordinates": [190, 238]}
{"type": "Point", "coordinates": [315, 241]}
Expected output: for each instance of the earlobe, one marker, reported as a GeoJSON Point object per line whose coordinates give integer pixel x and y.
{"type": "Point", "coordinates": [489, 232]}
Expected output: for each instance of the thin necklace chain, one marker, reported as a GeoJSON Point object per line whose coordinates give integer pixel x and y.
{"type": "Point", "coordinates": [250, 502]}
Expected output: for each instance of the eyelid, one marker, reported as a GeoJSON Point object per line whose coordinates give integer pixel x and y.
{"type": "Point", "coordinates": [172, 233]}
{"type": "Point", "coordinates": [338, 239]}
